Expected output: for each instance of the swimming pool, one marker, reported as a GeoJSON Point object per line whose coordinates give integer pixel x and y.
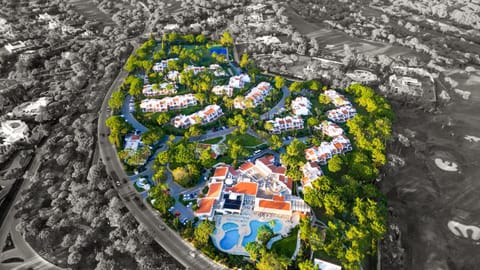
{"type": "Point", "coordinates": [229, 225]}
{"type": "Point", "coordinates": [255, 224]}
{"type": "Point", "coordinates": [230, 239]}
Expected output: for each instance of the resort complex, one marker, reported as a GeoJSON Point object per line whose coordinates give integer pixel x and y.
{"type": "Point", "coordinates": [243, 161]}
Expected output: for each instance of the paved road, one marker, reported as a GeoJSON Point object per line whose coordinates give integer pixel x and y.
{"type": "Point", "coordinates": [22, 248]}
{"type": "Point", "coordinates": [281, 104]}
{"type": "Point", "coordinates": [129, 117]}
{"type": "Point", "coordinates": [168, 239]}
{"type": "Point", "coordinates": [212, 134]}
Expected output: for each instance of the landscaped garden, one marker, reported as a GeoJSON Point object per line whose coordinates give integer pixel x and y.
{"type": "Point", "coordinates": [343, 196]}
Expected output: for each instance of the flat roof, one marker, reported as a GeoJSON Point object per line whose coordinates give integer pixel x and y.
{"type": "Point", "coordinates": [232, 204]}
{"type": "Point", "coordinates": [248, 188]}
{"type": "Point", "coordinates": [214, 190]}
{"type": "Point", "coordinates": [279, 205]}
{"type": "Point", "coordinates": [205, 206]}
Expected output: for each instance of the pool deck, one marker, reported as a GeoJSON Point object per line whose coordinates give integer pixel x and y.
{"type": "Point", "coordinates": [243, 222]}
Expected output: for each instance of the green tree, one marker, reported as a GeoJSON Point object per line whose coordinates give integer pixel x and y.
{"type": "Point", "coordinates": [206, 159]}
{"type": "Point", "coordinates": [244, 61]}
{"type": "Point", "coordinates": [162, 119]}
{"type": "Point", "coordinates": [271, 261]}
{"type": "Point", "coordinates": [181, 176]}
{"type": "Point", "coordinates": [116, 101]}
{"type": "Point", "coordinates": [264, 234]}
{"type": "Point", "coordinates": [276, 142]}
{"type": "Point", "coordinates": [160, 174]}
{"type": "Point", "coordinates": [200, 38]}
{"type": "Point", "coordinates": [163, 201]}
{"type": "Point", "coordinates": [201, 97]}
{"type": "Point", "coordinates": [162, 158]}
{"type": "Point", "coordinates": [335, 164]}
{"type": "Point", "coordinates": [296, 86]}
{"type": "Point", "coordinates": [226, 39]}
{"type": "Point", "coordinates": [136, 87]}
{"type": "Point", "coordinates": [152, 136]}
{"type": "Point", "coordinates": [323, 99]}
{"type": "Point", "coordinates": [255, 250]}
{"type": "Point", "coordinates": [312, 121]}
{"type": "Point", "coordinates": [268, 126]}
{"type": "Point", "coordinates": [279, 82]}
{"type": "Point", "coordinates": [307, 265]}
{"type": "Point", "coordinates": [314, 85]}
{"type": "Point", "coordinates": [236, 151]}
{"type": "Point", "coordinates": [202, 233]}
{"type": "Point", "coordinates": [118, 128]}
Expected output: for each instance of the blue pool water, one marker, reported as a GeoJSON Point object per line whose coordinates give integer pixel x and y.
{"type": "Point", "coordinates": [229, 225]}
{"type": "Point", "coordinates": [218, 50]}
{"type": "Point", "coordinates": [230, 239]}
{"type": "Point", "coordinates": [254, 225]}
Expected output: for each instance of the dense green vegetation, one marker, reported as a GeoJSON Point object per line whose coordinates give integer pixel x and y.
{"type": "Point", "coordinates": [286, 246]}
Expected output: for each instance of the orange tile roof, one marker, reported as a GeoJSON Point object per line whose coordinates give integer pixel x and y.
{"type": "Point", "coordinates": [205, 206]}
{"type": "Point", "coordinates": [246, 166]}
{"type": "Point", "coordinates": [214, 190]}
{"type": "Point", "coordinates": [220, 172]}
{"type": "Point", "coordinates": [279, 205]}
{"type": "Point", "coordinates": [278, 198]}
{"type": "Point", "coordinates": [248, 188]}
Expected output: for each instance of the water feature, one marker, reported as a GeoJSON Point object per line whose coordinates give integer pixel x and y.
{"type": "Point", "coordinates": [255, 224]}
{"type": "Point", "coordinates": [230, 239]}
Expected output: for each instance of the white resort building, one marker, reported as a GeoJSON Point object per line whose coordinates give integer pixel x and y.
{"type": "Point", "coordinates": [161, 89]}
{"type": "Point", "coordinates": [221, 90]}
{"type": "Point", "coordinates": [321, 154]}
{"type": "Point", "coordinates": [162, 65]}
{"type": "Point", "coordinates": [301, 106]}
{"type": "Point", "coordinates": [311, 171]}
{"type": "Point", "coordinates": [342, 114]}
{"type": "Point", "coordinates": [13, 131]}
{"type": "Point", "coordinates": [207, 115]}
{"type": "Point", "coordinates": [239, 81]}
{"type": "Point", "coordinates": [286, 123]}
{"type": "Point", "coordinates": [336, 98]}
{"type": "Point", "coordinates": [329, 128]}
{"type": "Point", "coordinates": [257, 96]}
{"type": "Point", "coordinates": [168, 103]}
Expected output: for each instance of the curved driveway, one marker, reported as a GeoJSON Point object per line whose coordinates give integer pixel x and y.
{"type": "Point", "coordinates": [168, 239]}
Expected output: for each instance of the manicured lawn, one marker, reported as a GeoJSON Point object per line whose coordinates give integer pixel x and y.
{"type": "Point", "coordinates": [246, 139]}
{"type": "Point", "coordinates": [287, 245]}
{"type": "Point", "coordinates": [212, 141]}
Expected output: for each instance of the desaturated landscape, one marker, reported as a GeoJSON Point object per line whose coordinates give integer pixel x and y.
{"type": "Point", "coordinates": [72, 196]}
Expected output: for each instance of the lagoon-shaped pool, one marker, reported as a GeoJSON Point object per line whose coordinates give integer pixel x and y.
{"type": "Point", "coordinates": [255, 224]}
{"type": "Point", "coordinates": [230, 239]}
{"type": "Point", "coordinates": [229, 225]}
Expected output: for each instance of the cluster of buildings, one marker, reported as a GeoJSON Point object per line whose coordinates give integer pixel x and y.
{"type": "Point", "coordinates": [260, 188]}
{"type": "Point", "coordinates": [208, 114]}
{"type": "Point", "coordinates": [239, 81]}
{"type": "Point", "coordinates": [330, 129]}
{"type": "Point", "coordinates": [286, 123]}
{"type": "Point", "coordinates": [134, 146]}
{"type": "Point", "coordinates": [256, 96]}
{"type": "Point", "coordinates": [162, 65]}
{"type": "Point", "coordinates": [343, 111]}
{"type": "Point", "coordinates": [161, 89]}
{"type": "Point", "coordinates": [12, 131]}
{"type": "Point", "coordinates": [301, 106]}
{"type": "Point", "coordinates": [321, 154]}
{"type": "Point", "coordinates": [223, 90]}
{"type": "Point", "coordinates": [168, 103]}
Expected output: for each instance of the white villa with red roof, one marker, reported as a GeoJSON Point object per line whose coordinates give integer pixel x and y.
{"type": "Point", "coordinates": [257, 95]}
{"type": "Point", "coordinates": [301, 106]}
{"type": "Point", "coordinates": [208, 114]}
{"type": "Point", "coordinates": [239, 81]}
{"type": "Point", "coordinates": [336, 98]}
{"type": "Point", "coordinates": [311, 171]}
{"type": "Point", "coordinates": [324, 152]}
{"type": "Point", "coordinates": [221, 90]}
{"type": "Point", "coordinates": [162, 65]}
{"type": "Point", "coordinates": [161, 89]}
{"type": "Point", "coordinates": [168, 103]}
{"type": "Point", "coordinates": [342, 114]}
{"type": "Point", "coordinates": [330, 129]}
{"type": "Point", "coordinates": [261, 187]}
{"type": "Point", "coordinates": [286, 123]}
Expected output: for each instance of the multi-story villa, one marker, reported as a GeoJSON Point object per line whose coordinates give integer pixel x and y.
{"type": "Point", "coordinates": [221, 90]}
{"type": "Point", "coordinates": [286, 123]}
{"type": "Point", "coordinates": [342, 114]}
{"type": "Point", "coordinates": [321, 154]}
{"type": "Point", "coordinates": [168, 103]}
{"type": "Point", "coordinates": [336, 98]}
{"type": "Point", "coordinates": [301, 106]}
{"type": "Point", "coordinates": [208, 114]}
{"type": "Point", "coordinates": [161, 89]}
{"type": "Point", "coordinates": [162, 65]}
{"type": "Point", "coordinates": [256, 95]}
{"type": "Point", "coordinates": [239, 81]}
{"type": "Point", "coordinates": [329, 128]}
{"type": "Point", "coordinates": [311, 171]}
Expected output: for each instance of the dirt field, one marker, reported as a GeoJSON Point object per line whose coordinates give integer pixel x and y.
{"type": "Point", "coordinates": [424, 198]}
